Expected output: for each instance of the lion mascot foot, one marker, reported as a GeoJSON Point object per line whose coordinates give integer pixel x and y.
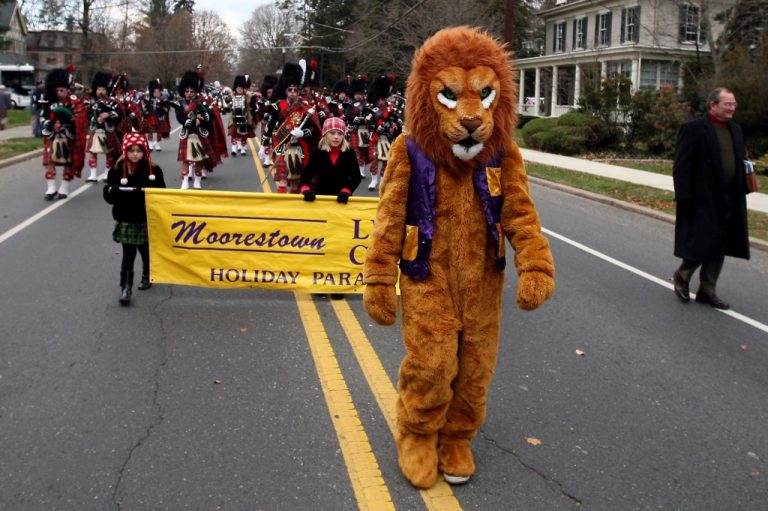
{"type": "Point", "coordinates": [417, 456]}
{"type": "Point", "coordinates": [456, 461]}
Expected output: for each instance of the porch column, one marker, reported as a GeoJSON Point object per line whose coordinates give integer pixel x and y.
{"type": "Point", "coordinates": [635, 75]}
{"type": "Point", "coordinates": [554, 91]}
{"type": "Point", "coordinates": [537, 91]}
{"type": "Point", "coordinates": [577, 85]}
{"type": "Point", "coordinates": [603, 70]}
{"type": "Point", "coordinates": [521, 91]}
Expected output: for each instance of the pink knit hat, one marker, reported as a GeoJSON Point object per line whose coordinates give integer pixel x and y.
{"type": "Point", "coordinates": [334, 123]}
{"type": "Point", "coordinates": [131, 139]}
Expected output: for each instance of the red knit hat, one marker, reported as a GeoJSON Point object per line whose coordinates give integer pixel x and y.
{"type": "Point", "coordinates": [334, 123]}
{"type": "Point", "coordinates": [131, 139]}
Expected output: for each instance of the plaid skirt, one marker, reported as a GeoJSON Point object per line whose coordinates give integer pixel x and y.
{"type": "Point", "coordinates": [130, 234]}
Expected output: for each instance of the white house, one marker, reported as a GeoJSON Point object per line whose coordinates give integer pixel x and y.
{"type": "Point", "coordinates": [646, 40]}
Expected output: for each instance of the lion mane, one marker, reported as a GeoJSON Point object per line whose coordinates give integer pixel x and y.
{"type": "Point", "coordinates": [466, 48]}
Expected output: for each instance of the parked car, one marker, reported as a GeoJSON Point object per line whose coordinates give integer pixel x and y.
{"type": "Point", "coordinates": [20, 98]}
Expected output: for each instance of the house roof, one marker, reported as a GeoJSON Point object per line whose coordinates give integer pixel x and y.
{"type": "Point", "coordinates": [6, 13]}
{"type": "Point", "coordinates": [8, 58]}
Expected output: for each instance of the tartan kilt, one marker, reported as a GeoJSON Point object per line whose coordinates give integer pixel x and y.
{"type": "Point", "coordinates": [233, 132]}
{"type": "Point", "coordinates": [164, 127]}
{"type": "Point", "coordinates": [130, 233]}
{"type": "Point", "coordinates": [207, 149]}
{"type": "Point", "coordinates": [149, 124]}
{"type": "Point", "coordinates": [113, 149]}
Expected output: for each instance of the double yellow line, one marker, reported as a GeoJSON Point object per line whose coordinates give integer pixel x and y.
{"type": "Point", "coordinates": [364, 472]}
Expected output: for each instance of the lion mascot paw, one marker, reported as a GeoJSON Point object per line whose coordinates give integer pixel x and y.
{"type": "Point", "coordinates": [455, 192]}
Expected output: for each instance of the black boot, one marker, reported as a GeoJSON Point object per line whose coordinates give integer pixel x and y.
{"type": "Point", "coordinates": [126, 283]}
{"type": "Point", "coordinates": [145, 283]}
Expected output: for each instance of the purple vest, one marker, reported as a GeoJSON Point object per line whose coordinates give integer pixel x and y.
{"type": "Point", "coordinates": [421, 208]}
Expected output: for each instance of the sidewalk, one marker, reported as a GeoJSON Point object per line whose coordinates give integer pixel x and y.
{"type": "Point", "coordinates": [755, 201]}
{"type": "Point", "coordinates": [17, 132]}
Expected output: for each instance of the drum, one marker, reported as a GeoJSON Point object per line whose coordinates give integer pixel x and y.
{"type": "Point", "coordinates": [98, 142]}
{"type": "Point", "coordinates": [240, 114]}
{"type": "Point", "coordinates": [382, 148]}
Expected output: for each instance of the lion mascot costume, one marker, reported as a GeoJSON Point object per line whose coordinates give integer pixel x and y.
{"type": "Point", "coordinates": [455, 188]}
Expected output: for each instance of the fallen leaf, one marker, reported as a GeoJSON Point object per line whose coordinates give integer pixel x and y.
{"type": "Point", "coordinates": [743, 347]}
{"type": "Point", "coordinates": [243, 330]}
{"type": "Point", "coordinates": [580, 353]}
{"type": "Point", "coordinates": [754, 472]}
{"type": "Point", "coordinates": [216, 382]}
{"type": "Point", "coordinates": [533, 441]}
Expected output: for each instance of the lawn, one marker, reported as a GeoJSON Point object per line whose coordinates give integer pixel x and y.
{"type": "Point", "coordinates": [20, 117]}
{"type": "Point", "coordinates": [16, 146]}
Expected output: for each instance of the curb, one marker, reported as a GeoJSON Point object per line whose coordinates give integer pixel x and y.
{"type": "Point", "coordinates": [20, 157]}
{"type": "Point", "coordinates": [755, 243]}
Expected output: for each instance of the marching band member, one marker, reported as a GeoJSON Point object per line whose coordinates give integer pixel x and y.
{"type": "Point", "coordinates": [357, 128]}
{"type": "Point", "coordinates": [382, 125]}
{"type": "Point", "coordinates": [292, 131]}
{"type": "Point", "coordinates": [262, 115]}
{"type": "Point", "coordinates": [104, 118]}
{"type": "Point", "coordinates": [240, 114]}
{"type": "Point", "coordinates": [64, 128]}
{"type": "Point", "coordinates": [130, 114]}
{"type": "Point", "coordinates": [196, 125]}
{"type": "Point", "coordinates": [156, 123]}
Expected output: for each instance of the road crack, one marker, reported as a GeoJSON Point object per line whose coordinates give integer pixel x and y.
{"type": "Point", "coordinates": [159, 418]}
{"type": "Point", "coordinates": [528, 466]}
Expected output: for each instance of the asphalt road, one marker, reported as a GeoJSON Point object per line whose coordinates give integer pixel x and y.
{"type": "Point", "coordinates": [210, 399]}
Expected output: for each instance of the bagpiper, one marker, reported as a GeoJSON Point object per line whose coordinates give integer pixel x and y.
{"type": "Point", "coordinates": [104, 117]}
{"type": "Point", "coordinates": [155, 121]}
{"type": "Point", "coordinates": [241, 104]}
{"type": "Point", "coordinates": [263, 114]}
{"type": "Point", "coordinates": [293, 130]}
{"type": "Point", "coordinates": [357, 129]}
{"type": "Point", "coordinates": [130, 113]}
{"type": "Point", "coordinates": [383, 126]}
{"type": "Point", "coordinates": [194, 137]}
{"type": "Point", "coordinates": [64, 121]}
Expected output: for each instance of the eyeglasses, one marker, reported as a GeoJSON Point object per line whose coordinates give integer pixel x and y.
{"type": "Point", "coordinates": [729, 105]}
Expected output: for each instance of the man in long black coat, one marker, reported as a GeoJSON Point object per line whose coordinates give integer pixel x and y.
{"type": "Point", "coordinates": [710, 190]}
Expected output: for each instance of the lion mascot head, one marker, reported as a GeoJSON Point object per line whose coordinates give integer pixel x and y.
{"type": "Point", "coordinates": [462, 82]}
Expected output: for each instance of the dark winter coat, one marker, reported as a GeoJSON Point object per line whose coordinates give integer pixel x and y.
{"type": "Point", "coordinates": [128, 206]}
{"type": "Point", "coordinates": [325, 178]}
{"type": "Point", "coordinates": [705, 229]}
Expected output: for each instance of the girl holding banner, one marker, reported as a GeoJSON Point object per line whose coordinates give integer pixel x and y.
{"type": "Point", "coordinates": [126, 181]}
{"type": "Point", "coordinates": [332, 167]}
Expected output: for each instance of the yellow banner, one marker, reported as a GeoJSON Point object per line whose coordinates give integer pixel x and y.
{"type": "Point", "coordinates": [264, 240]}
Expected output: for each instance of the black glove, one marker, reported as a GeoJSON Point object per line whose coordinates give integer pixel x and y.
{"type": "Point", "coordinates": [380, 130]}
{"type": "Point", "coordinates": [309, 195]}
{"type": "Point", "coordinates": [322, 115]}
{"type": "Point", "coordinates": [109, 193]}
{"type": "Point", "coordinates": [357, 120]}
{"type": "Point", "coordinates": [342, 198]}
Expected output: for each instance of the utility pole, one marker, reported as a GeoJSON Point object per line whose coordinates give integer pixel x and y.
{"type": "Point", "coordinates": [509, 17]}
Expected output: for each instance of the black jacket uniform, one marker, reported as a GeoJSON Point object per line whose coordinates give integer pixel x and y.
{"type": "Point", "coordinates": [128, 206]}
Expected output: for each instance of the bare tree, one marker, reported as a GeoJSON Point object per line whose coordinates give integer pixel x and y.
{"type": "Point", "coordinates": [264, 45]}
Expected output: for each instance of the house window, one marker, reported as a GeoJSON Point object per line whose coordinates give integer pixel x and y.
{"type": "Point", "coordinates": [691, 24]}
{"type": "Point", "coordinates": [579, 33]}
{"type": "Point", "coordinates": [668, 73]}
{"type": "Point", "coordinates": [619, 67]}
{"type": "Point", "coordinates": [656, 73]}
{"type": "Point", "coordinates": [630, 24]}
{"type": "Point", "coordinates": [603, 29]}
{"type": "Point", "coordinates": [559, 42]}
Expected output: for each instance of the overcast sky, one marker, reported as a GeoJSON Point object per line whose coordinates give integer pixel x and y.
{"type": "Point", "coordinates": [233, 12]}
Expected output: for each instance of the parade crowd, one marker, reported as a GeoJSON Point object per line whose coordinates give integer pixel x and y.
{"type": "Point", "coordinates": [82, 125]}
